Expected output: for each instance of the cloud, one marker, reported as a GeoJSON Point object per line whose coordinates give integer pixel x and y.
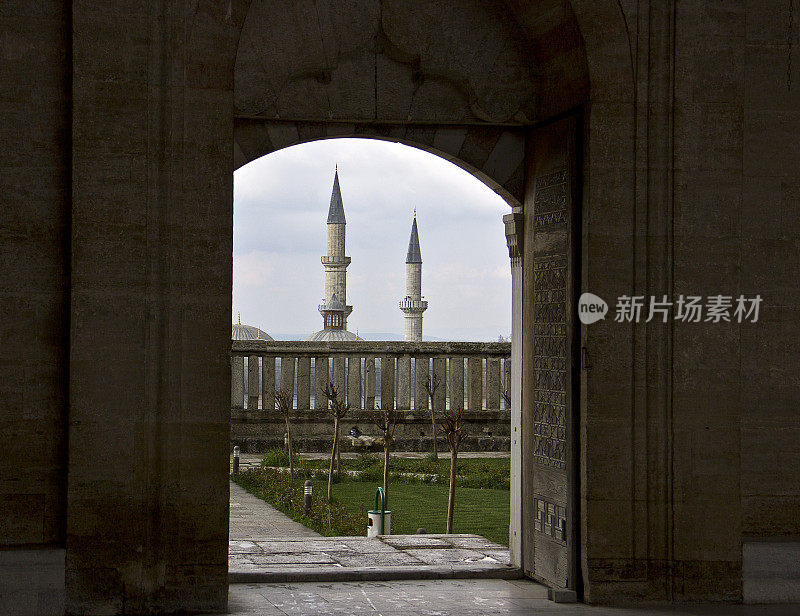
{"type": "Point", "coordinates": [280, 208]}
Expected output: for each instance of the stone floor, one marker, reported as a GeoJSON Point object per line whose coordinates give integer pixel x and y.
{"type": "Point", "coordinates": [392, 557]}
{"type": "Point", "coordinates": [267, 546]}
{"type": "Point", "coordinates": [446, 598]}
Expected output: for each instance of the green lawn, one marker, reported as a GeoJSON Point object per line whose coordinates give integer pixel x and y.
{"type": "Point", "coordinates": [420, 505]}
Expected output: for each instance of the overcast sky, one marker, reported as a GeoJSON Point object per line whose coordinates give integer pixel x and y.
{"type": "Point", "coordinates": [280, 211]}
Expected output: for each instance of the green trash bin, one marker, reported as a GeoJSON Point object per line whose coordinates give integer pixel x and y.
{"type": "Point", "coordinates": [379, 520]}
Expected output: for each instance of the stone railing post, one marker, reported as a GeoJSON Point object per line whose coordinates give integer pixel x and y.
{"type": "Point", "coordinates": [237, 382]}
{"type": "Point", "coordinates": [354, 382]}
{"type": "Point", "coordinates": [253, 388]}
{"type": "Point", "coordinates": [387, 381]}
{"type": "Point", "coordinates": [440, 372]}
{"type": "Point", "coordinates": [339, 376]}
{"type": "Point", "coordinates": [268, 382]}
{"type": "Point", "coordinates": [287, 375]}
{"type": "Point", "coordinates": [303, 383]}
{"type": "Point", "coordinates": [457, 382]}
{"type": "Point", "coordinates": [404, 382]}
{"type": "Point", "coordinates": [475, 383]}
{"type": "Point", "coordinates": [493, 383]}
{"type": "Point", "coordinates": [514, 238]}
{"type": "Point", "coordinates": [320, 382]}
{"type": "Point", "coordinates": [369, 383]}
{"type": "Point", "coordinates": [421, 371]}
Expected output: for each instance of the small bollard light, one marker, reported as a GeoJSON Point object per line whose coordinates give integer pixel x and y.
{"type": "Point", "coordinates": [236, 460]}
{"type": "Point", "coordinates": [422, 531]}
{"type": "Point", "coordinates": [307, 487]}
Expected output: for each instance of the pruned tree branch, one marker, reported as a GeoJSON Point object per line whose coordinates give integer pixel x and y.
{"type": "Point", "coordinates": [337, 409]}
{"type": "Point", "coordinates": [453, 428]}
{"type": "Point", "coordinates": [431, 385]}
{"type": "Point", "coordinates": [283, 402]}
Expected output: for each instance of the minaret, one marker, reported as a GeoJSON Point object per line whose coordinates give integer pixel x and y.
{"type": "Point", "coordinates": [335, 308]}
{"type": "Point", "coordinates": [413, 305]}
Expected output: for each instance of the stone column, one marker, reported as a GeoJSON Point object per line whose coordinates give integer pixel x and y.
{"type": "Point", "coordinates": [513, 223]}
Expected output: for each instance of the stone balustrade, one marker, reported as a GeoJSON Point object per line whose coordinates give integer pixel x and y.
{"type": "Point", "coordinates": [369, 375]}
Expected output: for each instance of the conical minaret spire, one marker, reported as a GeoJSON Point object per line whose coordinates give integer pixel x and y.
{"type": "Point", "coordinates": [336, 210]}
{"type": "Point", "coordinates": [413, 305]}
{"type": "Point", "coordinates": [414, 255]}
{"type": "Point", "coordinates": [335, 310]}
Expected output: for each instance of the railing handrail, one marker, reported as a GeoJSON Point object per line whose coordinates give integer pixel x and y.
{"type": "Point", "coordinates": [365, 348]}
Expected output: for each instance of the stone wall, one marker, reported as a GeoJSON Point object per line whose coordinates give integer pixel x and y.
{"type": "Point", "coordinates": [122, 127]}
{"type": "Point", "coordinates": [34, 270]}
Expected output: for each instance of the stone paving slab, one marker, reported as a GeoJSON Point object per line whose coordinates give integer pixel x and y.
{"type": "Point", "coordinates": [450, 556]}
{"type": "Point", "coordinates": [391, 557]}
{"type": "Point", "coordinates": [407, 542]}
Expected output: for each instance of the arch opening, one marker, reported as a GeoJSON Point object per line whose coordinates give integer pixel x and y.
{"type": "Point", "coordinates": [380, 185]}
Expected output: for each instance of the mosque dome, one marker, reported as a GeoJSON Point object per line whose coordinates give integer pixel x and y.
{"type": "Point", "coordinates": [248, 332]}
{"type": "Point", "coordinates": [332, 335]}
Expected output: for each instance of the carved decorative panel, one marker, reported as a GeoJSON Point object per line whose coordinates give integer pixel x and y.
{"type": "Point", "coordinates": [551, 199]}
{"type": "Point", "coordinates": [550, 520]}
{"type": "Point", "coordinates": [550, 328]}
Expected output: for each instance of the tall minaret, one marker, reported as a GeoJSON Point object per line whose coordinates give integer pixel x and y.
{"type": "Point", "coordinates": [335, 263]}
{"type": "Point", "coordinates": [413, 305]}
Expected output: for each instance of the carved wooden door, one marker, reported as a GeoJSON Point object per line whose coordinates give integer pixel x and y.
{"type": "Point", "coordinates": [550, 352]}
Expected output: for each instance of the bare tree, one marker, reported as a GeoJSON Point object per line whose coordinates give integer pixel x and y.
{"type": "Point", "coordinates": [431, 385]}
{"type": "Point", "coordinates": [283, 402]}
{"type": "Point", "coordinates": [453, 428]}
{"type": "Point", "coordinates": [337, 409]}
{"type": "Point", "coordinates": [506, 394]}
{"type": "Point", "coordinates": [386, 421]}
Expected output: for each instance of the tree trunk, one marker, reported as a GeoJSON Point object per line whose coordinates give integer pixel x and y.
{"type": "Point", "coordinates": [385, 467]}
{"type": "Point", "coordinates": [433, 427]}
{"type": "Point", "coordinates": [451, 501]}
{"type": "Point", "coordinates": [289, 445]}
{"type": "Point", "coordinates": [338, 455]}
{"type": "Point", "coordinates": [333, 455]}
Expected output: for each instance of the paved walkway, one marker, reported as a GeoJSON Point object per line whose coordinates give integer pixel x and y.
{"type": "Point", "coordinates": [251, 517]}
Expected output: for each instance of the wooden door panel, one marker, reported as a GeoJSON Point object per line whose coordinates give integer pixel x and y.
{"type": "Point", "coordinates": [549, 548]}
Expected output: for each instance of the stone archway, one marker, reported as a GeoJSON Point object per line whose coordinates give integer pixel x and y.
{"type": "Point", "coordinates": [561, 58]}
{"type": "Point", "coordinates": [316, 71]}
